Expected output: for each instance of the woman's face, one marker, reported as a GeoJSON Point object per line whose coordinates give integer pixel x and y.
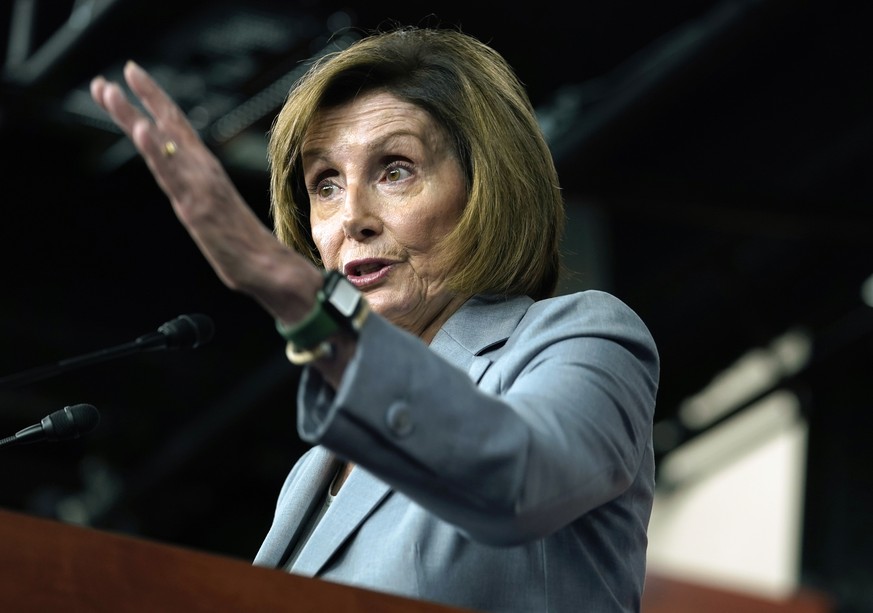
{"type": "Point", "coordinates": [384, 187]}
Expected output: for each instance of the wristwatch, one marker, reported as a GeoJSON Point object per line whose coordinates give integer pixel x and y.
{"type": "Point", "coordinates": [339, 306]}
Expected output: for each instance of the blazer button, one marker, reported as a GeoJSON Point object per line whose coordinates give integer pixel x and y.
{"type": "Point", "coordinates": [399, 419]}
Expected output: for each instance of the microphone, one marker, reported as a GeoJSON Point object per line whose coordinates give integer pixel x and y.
{"type": "Point", "coordinates": [183, 332]}
{"type": "Point", "coordinates": [67, 423]}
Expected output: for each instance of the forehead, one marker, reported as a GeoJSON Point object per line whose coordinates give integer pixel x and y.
{"type": "Point", "coordinates": [370, 119]}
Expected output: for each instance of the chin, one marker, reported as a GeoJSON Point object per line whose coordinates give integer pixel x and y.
{"type": "Point", "coordinates": [390, 307]}
{"type": "Point", "coordinates": [383, 303]}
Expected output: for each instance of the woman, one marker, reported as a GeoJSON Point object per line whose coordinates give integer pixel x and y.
{"type": "Point", "coordinates": [477, 442]}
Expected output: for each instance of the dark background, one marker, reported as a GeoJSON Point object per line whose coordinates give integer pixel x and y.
{"type": "Point", "coordinates": [715, 158]}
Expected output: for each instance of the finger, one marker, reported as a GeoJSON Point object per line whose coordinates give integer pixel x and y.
{"type": "Point", "coordinates": [134, 123]}
{"type": "Point", "coordinates": [125, 115]}
{"type": "Point", "coordinates": [167, 115]}
{"type": "Point", "coordinates": [98, 86]}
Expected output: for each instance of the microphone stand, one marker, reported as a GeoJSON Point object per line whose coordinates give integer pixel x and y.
{"type": "Point", "coordinates": [143, 343]}
{"type": "Point", "coordinates": [191, 330]}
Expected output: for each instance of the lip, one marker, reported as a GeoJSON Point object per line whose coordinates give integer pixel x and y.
{"type": "Point", "coordinates": [381, 268]}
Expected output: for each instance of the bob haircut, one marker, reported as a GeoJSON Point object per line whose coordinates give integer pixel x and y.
{"type": "Point", "coordinates": [507, 239]}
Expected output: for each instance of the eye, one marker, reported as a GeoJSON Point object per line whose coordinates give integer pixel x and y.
{"type": "Point", "coordinates": [322, 188]}
{"type": "Point", "coordinates": [325, 189]}
{"type": "Point", "coordinates": [397, 171]}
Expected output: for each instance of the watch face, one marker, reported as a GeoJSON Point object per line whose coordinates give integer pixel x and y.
{"type": "Point", "coordinates": [345, 298]}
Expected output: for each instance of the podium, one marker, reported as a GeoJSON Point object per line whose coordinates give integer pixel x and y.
{"type": "Point", "coordinates": [46, 565]}
{"type": "Point", "coordinates": [669, 595]}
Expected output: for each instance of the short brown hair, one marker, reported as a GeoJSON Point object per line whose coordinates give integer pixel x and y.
{"type": "Point", "coordinates": [507, 240]}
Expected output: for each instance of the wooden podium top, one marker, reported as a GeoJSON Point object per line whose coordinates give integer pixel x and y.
{"type": "Point", "coordinates": [46, 565]}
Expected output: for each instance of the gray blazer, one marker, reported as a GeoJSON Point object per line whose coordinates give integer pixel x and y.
{"type": "Point", "coordinates": [508, 466]}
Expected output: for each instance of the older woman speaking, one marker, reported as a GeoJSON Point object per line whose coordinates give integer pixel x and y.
{"type": "Point", "coordinates": [477, 441]}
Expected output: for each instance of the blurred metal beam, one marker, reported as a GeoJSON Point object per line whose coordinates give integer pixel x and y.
{"type": "Point", "coordinates": [21, 27]}
{"type": "Point", "coordinates": [583, 117]}
{"type": "Point", "coordinates": [26, 66]}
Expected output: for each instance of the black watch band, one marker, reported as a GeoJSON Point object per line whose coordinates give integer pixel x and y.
{"type": "Point", "coordinates": [338, 306]}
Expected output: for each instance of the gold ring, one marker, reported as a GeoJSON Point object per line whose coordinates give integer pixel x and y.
{"type": "Point", "coordinates": [170, 149]}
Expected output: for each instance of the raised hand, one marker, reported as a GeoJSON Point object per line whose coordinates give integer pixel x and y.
{"type": "Point", "coordinates": [242, 251]}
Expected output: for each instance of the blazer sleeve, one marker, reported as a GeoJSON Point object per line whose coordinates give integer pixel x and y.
{"type": "Point", "coordinates": [557, 425]}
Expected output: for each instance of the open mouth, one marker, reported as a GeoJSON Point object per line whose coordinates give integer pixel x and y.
{"type": "Point", "coordinates": [367, 272]}
{"type": "Point", "coordinates": [366, 268]}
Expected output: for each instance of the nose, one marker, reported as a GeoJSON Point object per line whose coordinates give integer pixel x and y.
{"type": "Point", "coordinates": [360, 213]}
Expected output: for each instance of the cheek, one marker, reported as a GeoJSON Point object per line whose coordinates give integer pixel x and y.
{"type": "Point", "coordinates": [437, 222]}
{"type": "Point", "coordinates": [422, 238]}
{"type": "Point", "coordinates": [326, 240]}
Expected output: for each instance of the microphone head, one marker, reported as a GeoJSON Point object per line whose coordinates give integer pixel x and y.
{"type": "Point", "coordinates": [187, 331]}
{"type": "Point", "coordinates": [70, 422]}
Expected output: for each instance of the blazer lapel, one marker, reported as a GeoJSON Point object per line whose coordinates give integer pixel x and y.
{"type": "Point", "coordinates": [359, 496]}
{"type": "Point", "coordinates": [482, 324]}
{"type": "Point", "coordinates": [298, 498]}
